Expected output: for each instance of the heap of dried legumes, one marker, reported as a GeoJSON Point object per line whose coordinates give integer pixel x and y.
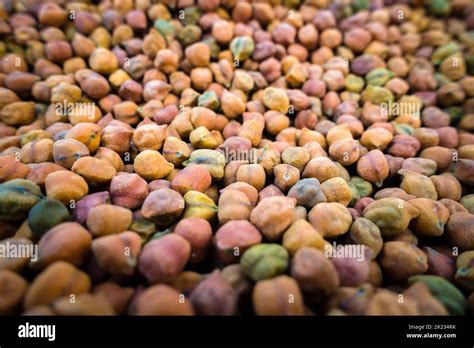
{"type": "Point", "coordinates": [226, 157]}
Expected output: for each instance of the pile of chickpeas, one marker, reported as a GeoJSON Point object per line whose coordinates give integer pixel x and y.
{"type": "Point", "coordinates": [237, 157]}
